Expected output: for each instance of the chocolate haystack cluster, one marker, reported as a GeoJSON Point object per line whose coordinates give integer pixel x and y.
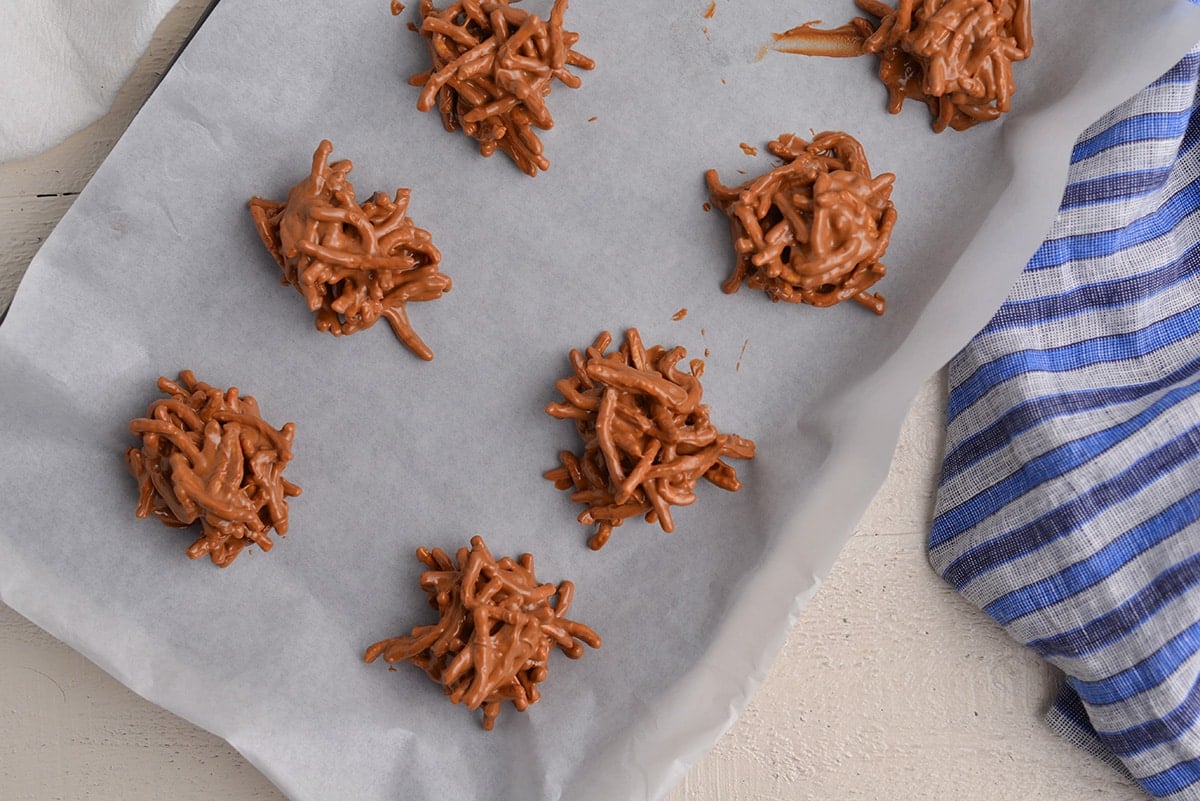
{"type": "Point", "coordinates": [813, 229]}
{"type": "Point", "coordinates": [352, 263]}
{"type": "Point", "coordinates": [647, 438]}
{"type": "Point", "coordinates": [495, 631]}
{"type": "Point", "coordinates": [208, 456]}
{"type": "Point", "coordinates": [955, 56]}
{"type": "Point", "coordinates": [493, 65]}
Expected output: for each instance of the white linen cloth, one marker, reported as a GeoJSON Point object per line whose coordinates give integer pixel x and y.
{"type": "Point", "coordinates": [62, 63]}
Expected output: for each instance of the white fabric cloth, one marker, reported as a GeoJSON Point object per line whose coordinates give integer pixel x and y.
{"type": "Point", "coordinates": [62, 62]}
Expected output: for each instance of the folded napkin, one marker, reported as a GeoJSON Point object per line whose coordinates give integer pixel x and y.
{"type": "Point", "coordinates": [1069, 501]}
{"type": "Point", "coordinates": [62, 62]}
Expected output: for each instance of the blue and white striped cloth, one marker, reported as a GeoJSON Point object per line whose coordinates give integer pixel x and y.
{"type": "Point", "coordinates": [1069, 504]}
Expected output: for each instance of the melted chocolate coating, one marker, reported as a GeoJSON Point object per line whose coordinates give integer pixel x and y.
{"type": "Point", "coordinates": [813, 229]}
{"type": "Point", "coordinates": [352, 263]}
{"type": "Point", "coordinates": [493, 66]}
{"type": "Point", "coordinates": [207, 456]}
{"type": "Point", "coordinates": [495, 631]}
{"type": "Point", "coordinates": [647, 438]}
{"type": "Point", "coordinates": [956, 56]}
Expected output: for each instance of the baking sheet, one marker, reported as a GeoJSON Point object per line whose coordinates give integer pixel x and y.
{"type": "Point", "coordinates": [157, 268]}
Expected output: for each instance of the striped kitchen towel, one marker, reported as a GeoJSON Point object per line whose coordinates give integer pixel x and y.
{"type": "Point", "coordinates": [1069, 503]}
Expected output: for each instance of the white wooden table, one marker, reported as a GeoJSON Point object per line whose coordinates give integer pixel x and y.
{"type": "Point", "coordinates": [890, 686]}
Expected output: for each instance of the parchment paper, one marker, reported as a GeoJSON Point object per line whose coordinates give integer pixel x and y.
{"type": "Point", "coordinates": [157, 268]}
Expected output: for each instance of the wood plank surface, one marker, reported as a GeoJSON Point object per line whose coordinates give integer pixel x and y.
{"type": "Point", "coordinates": [889, 686]}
